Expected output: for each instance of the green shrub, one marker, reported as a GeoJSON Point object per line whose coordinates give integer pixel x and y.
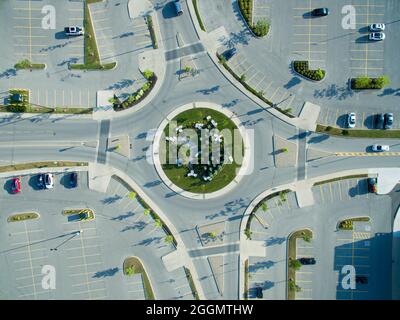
{"type": "Point", "coordinates": [302, 68]}
{"type": "Point", "coordinates": [261, 28]}
{"type": "Point", "coordinates": [370, 83]}
{"type": "Point", "coordinates": [148, 74]}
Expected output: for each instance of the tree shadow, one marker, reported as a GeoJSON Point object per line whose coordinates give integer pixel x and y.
{"type": "Point", "coordinates": [169, 11]}
{"type": "Point", "coordinates": [152, 184]}
{"type": "Point", "coordinates": [123, 216]}
{"type": "Point", "coordinates": [261, 265]}
{"type": "Point", "coordinates": [292, 82]}
{"type": "Point", "coordinates": [208, 91]}
{"type": "Point", "coordinates": [333, 91]}
{"type": "Point", "coordinates": [149, 241]}
{"type": "Point", "coordinates": [318, 139]}
{"type": "Point", "coordinates": [106, 273]}
{"type": "Point", "coordinates": [389, 91]}
{"type": "Point", "coordinates": [112, 199]}
{"type": "Point", "coordinates": [11, 72]}
{"type": "Point", "coordinates": [137, 226]}
{"type": "Point", "coordinates": [121, 84]}
{"type": "Point", "coordinates": [341, 121]}
{"type": "Point", "coordinates": [274, 240]}
{"type": "Point", "coordinates": [231, 103]}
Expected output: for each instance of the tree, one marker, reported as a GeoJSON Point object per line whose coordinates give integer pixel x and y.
{"type": "Point", "coordinates": [293, 286]}
{"type": "Point", "coordinates": [212, 234]}
{"type": "Point", "coordinates": [320, 74]}
{"type": "Point", "coordinates": [261, 28]}
{"type": "Point", "coordinates": [132, 195]}
{"type": "Point", "coordinates": [187, 69]}
{"type": "Point", "coordinates": [146, 212]}
{"type": "Point", "coordinates": [169, 239]}
{"type": "Point", "coordinates": [157, 223]}
{"type": "Point", "coordinates": [248, 233]}
{"type": "Point", "coordinates": [307, 238]}
{"type": "Point", "coordinates": [130, 271]}
{"type": "Point", "coordinates": [295, 264]}
{"type": "Point", "coordinates": [264, 207]}
{"type": "Point", "coordinates": [243, 77]}
{"type": "Point", "coordinates": [148, 74]}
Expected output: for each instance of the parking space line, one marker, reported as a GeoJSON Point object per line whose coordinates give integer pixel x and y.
{"type": "Point", "coordinates": [87, 283]}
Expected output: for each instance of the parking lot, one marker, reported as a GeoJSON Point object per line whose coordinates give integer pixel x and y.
{"type": "Point", "coordinates": [120, 39]}
{"type": "Point", "coordinates": [87, 255]}
{"type": "Point", "coordinates": [325, 43]}
{"type": "Point", "coordinates": [367, 247]}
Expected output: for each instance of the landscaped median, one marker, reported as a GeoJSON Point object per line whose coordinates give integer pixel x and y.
{"type": "Point", "coordinates": [26, 64]}
{"type": "Point", "coordinates": [137, 96]}
{"type": "Point", "coordinates": [348, 224]}
{"type": "Point", "coordinates": [261, 27]}
{"type": "Point", "coordinates": [196, 9]}
{"type": "Point", "coordinates": [41, 165]}
{"type": "Point", "coordinates": [364, 83]}
{"type": "Point", "coordinates": [354, 133]}
{"type": "Point", "coordinates": [292, 263]}
{"type": "Point", "coordinates": [23, 216]}
{"type": "Point", "coordinates": [150, 25]}
{"type": "Point", "coordinates": [133, 265]}
{"type": "Point", "coordinates": [91, 52]}
{"type": "Point", "coordinates": [258, 94]}
{"type": "Point", "coordinates": [302, 68]}
{"type": "Point", "coordinates": [191, 283]}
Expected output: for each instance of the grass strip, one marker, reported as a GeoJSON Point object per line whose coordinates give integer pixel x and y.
{"type": "Point", "coordinates": [354, 176]}
{"type": "Point", "coordinates": [196, 9]}
{"type": "Point", "coordinates": [150, 25]}
{"type": "Point", "coordinates": [191, 283]}
{"type": "Point", "coordinates": [27, 64]}
{"type": "Point", "coordinates": [91, 52]}
{"type": "Point", "coordinates": [354, 133]}
{"type": "Point", "coordinates": [246, 279]}
{"type": "Point", "coordinates": [137, 266]}
{"type": "Point", "coordinates": [291, 283]}
{"type": "Point", "coordinates": [23, 216]}
{"type": "Point", "coordinates": [348, 223]}
{"type": "Point", "coordinates": [39, 165]}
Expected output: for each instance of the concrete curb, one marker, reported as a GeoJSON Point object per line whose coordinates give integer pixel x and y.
{"type": "Point", "coordinates": [41, 170]}
{"type": "Point", "coordinates": [202, 196]}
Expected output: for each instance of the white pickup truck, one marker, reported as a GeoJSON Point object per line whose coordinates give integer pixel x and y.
{"type": "Point", "coordinates": [73, 31]}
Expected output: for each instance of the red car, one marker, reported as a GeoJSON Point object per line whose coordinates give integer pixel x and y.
{"type": "Point", "coordinates": [16, 185]}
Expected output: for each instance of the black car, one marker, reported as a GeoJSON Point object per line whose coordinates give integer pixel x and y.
{"type": "Point", "coordinates": [379, 121]}
{"type": "Point", "coordinates": [229, 53]}
{"type": "Point", "coordinates": [259, 292]}
{"type": "Point", "coordinates": [320, 12]}
{"type": "Point", "coordinates": [40, 181]}
{"type": "Point", "coordinates": [17, 97]}
{"type": "Point", "coordinates": [305, 261]}
{"type": "Point", "coordinates": [361, 279]}
{"type": "Point", "coordinates": [73, 180]}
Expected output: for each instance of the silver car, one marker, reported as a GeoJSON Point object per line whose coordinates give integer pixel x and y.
{"type": "Point", "coordinates": [377, 36]}
{"type": "Point", "coordinates": [376, 27]}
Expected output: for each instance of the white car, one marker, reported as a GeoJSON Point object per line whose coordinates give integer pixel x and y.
{"type": "Point", "coordinates": [74, 31]}
{"type": "Point", "coordinates": [380, 148]}
{"type": "Point", "coordinates": [377, 27]}
{"type": "Point", "coordinates": [48, 181]}
{"type": "Point", "coordinates": [351, 120]}
{"type": "Point", "coordinates": [377, 36]}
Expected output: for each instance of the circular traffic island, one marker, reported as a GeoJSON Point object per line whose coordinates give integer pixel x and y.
{"type": "Point", "coordinates": [200, 151]}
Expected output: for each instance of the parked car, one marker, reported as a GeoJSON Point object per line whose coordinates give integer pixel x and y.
{"type": "Point", "coordinates": [379, 121]}
{"type": "Point", "coordinates": [380, 147]}
{"type": "Point", "coordinates": [17, 97]}
{"type": "Point", "coordinates": [259, 292]}
{"type": "Point", "coordinates": [16, 185]}
{"type": "Point", "coordinates": [74, 31]}
{"type": "Point", "coordinates": [229, 53]}
{"type": "Point", "coordinates": [178, 8]}
{"type": "Point", "coordinates": [306, 261]}
{"type": "Point", "coordinates": [48, 181]}
{"type": "Point", "coordinates": [388, 120]}
{"type": "Point", "coordinates": [372, 185]}
{"type": "Point", "coordinates": [73, 180]}
{"type": "Point", "coordinates": [351, 120]}
{"type": "Point", "coordinates": [361, 279]}
{"type": "Point", "coordinates": [377, 27]}
{"type": "Point", "coordinates": [320, 12]}
{"type": "Point", "coordinates": [377, 36]}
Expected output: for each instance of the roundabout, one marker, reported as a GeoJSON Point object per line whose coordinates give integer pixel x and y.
{"type": "Point", "coordinates": [201, 150]}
